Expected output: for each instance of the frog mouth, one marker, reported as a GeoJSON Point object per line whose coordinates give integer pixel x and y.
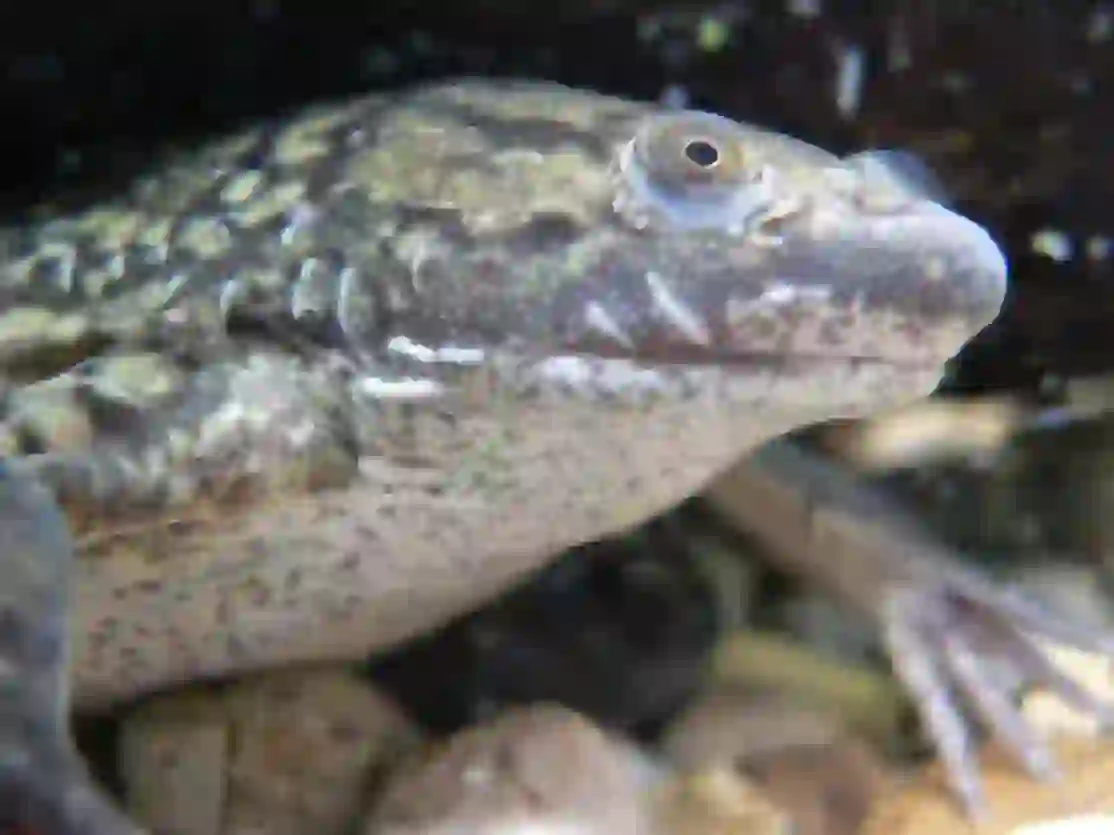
{"type": "Point", "coordinates": [741, 377]}
{"type": "Point", "coordinates": [744, 361]}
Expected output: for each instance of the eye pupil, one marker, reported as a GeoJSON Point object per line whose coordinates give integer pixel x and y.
{"type": "Point", "coordinates": [702, 152]}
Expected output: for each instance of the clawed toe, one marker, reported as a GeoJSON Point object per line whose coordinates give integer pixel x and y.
{"type": "Point", "coordinates": [968, 645]}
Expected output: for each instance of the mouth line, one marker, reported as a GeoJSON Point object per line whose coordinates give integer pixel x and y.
{"type": "Point", "coordinates": [814, 360]}
{"type": "Point", "coordinates": [742, 362]}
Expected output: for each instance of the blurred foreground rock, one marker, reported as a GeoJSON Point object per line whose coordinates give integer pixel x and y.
{"type": "Point", "coordinates": [806, 762]}
{"type": "Point", "coordinates": [296, 752]}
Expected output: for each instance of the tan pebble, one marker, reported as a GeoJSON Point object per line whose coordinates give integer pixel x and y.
{"type": "Point", "coordinates": [290, 753]}
{"type": "Point", "coordinates": [826, 789]}
{"type": "Point", "coordinates": [804, 760]}
{"type": "Point", "coordinates": [718, 801]}
{"type": "Point", "coordinates": [537, 769]}
{"type": "Point", "coordinates": [1072, 805]}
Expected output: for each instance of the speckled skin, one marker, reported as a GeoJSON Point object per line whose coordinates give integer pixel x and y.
{"type": "Point", "coordinates": [310, 391]}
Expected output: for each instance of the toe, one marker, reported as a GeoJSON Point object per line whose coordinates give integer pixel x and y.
{"type": "Point", "coordinates": [916, 664]}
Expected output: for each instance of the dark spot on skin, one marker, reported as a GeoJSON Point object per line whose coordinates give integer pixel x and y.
{"type": "Point", "coordinates": [111, 418]}
{"type": "Point", "coordinates": [293, 580]}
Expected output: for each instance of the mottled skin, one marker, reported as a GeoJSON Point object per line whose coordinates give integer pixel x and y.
{"type": "Point", "coordinates": [313, 390]}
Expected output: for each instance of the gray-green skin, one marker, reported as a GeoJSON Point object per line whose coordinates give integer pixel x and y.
{"type": "Point", "coordinates": [314, 390]}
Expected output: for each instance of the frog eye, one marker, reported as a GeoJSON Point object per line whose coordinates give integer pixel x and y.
{"type": "Point", "coordinates": [692, 151]}
{"type": "Point", "coordinates": [693, 170]}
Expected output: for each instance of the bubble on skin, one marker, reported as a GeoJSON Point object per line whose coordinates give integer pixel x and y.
{"type": "Point", "coordinates": [598, 318]}
{"type": "Point", "coordinates": [781, 294]}
{"type": "Point", "coordinates": [580, 373]}
{"type": "Point", "coordinates": [449, 354]}
{"type": "Point", "coordinates": [410, 388]}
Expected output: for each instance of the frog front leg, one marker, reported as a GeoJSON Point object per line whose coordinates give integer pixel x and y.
{"type": "Point", "coordinates": [182, 486]}
{"type": "Point", "coordinates": [956, 640]}
{"type": "Point", "coordinates": [44, 786]}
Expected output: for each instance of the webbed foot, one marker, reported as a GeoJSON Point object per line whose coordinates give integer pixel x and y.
{"type": "Point", "coordinates": [44, 786]}
{"type": "Point", "coordinates": [962, 642]}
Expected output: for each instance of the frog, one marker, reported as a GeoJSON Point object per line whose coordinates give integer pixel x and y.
{"type": "Point", "coordinates": [308, 391]}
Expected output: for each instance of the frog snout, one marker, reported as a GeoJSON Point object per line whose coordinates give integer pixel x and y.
{"type": "Point", "coordinates": [939, 273]}
{"type": "Point", "coordinates": [963, 256]}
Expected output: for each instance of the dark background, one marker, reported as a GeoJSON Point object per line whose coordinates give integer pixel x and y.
{"type": "Point", "coordinates": [1011, 102]}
